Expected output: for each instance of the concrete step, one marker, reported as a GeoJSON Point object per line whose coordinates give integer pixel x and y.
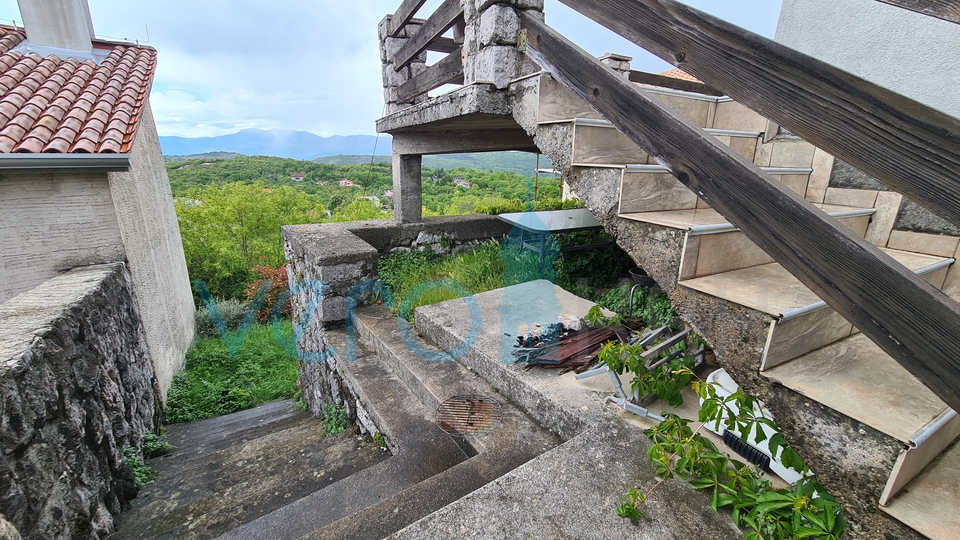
{"type": "Point", "coordinates": [423, 450]}
{"type": "Point", "coordinates": [712, 245]}
{"type": "Point", "coordinates": [572, 490]}
{"type": "Point", "coordinates": [801, 322]}
{"type": "Point", "coordinates": [929, 504]}
{"type": "Point", "coordinates": [235, 474]}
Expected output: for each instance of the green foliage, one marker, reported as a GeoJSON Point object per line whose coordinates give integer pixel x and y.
{"type": "Point", "coordinates": [505, 206]}
{"type": "Point", "coordinates": [379, 440]}
{"type": "Point", "coordinates": [595, 317]}
{"type": "Point", "coordinates": [360, 210]}
{"type": "Point", "coordinates": [669, 373]}
{"type": "Point", "coordinates": [650, 304]}
{"type": "Point", "coordinates": [478, 270]}
{"type": "Point", "coordinates": [213, 383]}
{"type": "Point", "coordinates": [228, 229]}
{"type": "Point", "coordinates": [630, 503]}
{"type": "Point", "coordinates": [142, 474]}
{"type": "Point", "coordinates": [804, 510]}
{"type": "Point", "coordinates": [232, 312]}
{"type": "Point", "coordinates": [155, 446]}
{"type": "Point", "coordinates": [598, 267]}
{"type": "Point", "coordinates": [335, 418]}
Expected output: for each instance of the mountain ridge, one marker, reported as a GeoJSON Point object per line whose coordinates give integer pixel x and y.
{"type": "Point", "coordinates": [292, 144]}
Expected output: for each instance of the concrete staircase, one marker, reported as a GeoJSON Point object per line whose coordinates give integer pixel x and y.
{"type": "Point", "coordinates": [881, 431]}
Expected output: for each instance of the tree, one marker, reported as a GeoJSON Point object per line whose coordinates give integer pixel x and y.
{"type": "Point", "coordinates": [229, 229]}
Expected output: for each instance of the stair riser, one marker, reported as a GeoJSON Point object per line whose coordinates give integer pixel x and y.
{"type": "Point", "coordinates": [793, 337]}
{"type": "Point", "coordinates": [722, 252]}
{"type": "Point", "coordinates": [659, 191]}
{"type": "Point", "coordinates": [600, 145]}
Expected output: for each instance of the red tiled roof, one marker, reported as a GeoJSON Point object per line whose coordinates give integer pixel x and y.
{"type": "Point", "coordinates": [677, 73]}
{"type": "Point", "coordinates": [51, 105]}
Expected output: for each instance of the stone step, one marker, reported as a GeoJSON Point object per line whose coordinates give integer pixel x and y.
{"type": "Point", "coordinates": [929, 504]}
{"type": "Point", "coordinates": [801, 322]}
{"type": "Point", "coordinates": [236, 479]}
{"type": "Point", "coordinates": [712, 245]}
{"type": "Point", "coordinates": [423, 450]}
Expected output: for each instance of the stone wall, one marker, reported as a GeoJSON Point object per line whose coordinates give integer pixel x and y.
{"type": "Point", "coordinates": [151, 237]}
{"type": "Point", "coordinates": [76, 386]}
{"type": "Point", "coordinates": [343, 255]}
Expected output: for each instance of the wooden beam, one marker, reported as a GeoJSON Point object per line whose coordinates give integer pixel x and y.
{"type": "Point", "coordinates": [443, 45]}
{"type": "Point", "coordinates": [643, 77]}
{"type": "Point", "coordinates": [908, 146]}
{"type": "Point", "coordinates": [404, 13]}
{"type": "Point", "coordinates": [438, 23]}
{"type": "Point", "coordinates": [444, 71]}
{"type": "Point", "coordinates": [948, 10]}
{"type": "Point", "coordinates": [906, 316]}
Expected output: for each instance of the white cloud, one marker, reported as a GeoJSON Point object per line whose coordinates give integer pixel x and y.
{"type": "Point", "coordinates": [311, 65]}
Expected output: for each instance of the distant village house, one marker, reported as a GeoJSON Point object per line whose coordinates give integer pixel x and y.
{"type": "Point", "coordinates": [348, 183]}
{"type": "Point", "coordinates": [297, 177]}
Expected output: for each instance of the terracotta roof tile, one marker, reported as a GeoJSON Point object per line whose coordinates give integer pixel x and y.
{"type": "Point", "coordinates": [55, 106]}
{"type": "Point", "coordinates": [677, 73]}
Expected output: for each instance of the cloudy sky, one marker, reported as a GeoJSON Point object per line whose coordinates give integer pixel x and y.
{"type": "Point", "coordinates": [310, 65]}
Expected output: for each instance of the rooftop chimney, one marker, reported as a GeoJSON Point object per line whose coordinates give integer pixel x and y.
{"type": "Point", "coordinates": [61, 27]}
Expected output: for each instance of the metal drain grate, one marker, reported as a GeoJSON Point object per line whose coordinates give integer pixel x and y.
{"type": "Point", "coordinates": [469, 416]}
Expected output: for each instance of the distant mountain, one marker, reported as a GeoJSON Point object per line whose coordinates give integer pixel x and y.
{"type": "Point", "coordinates": [519, 162]}
{"type": "Point", "coordinates": [205, 155]}
{"type": "Point", "coordinates": [341, 159]}
{"type": "Point", "coordinates": [277, 142]}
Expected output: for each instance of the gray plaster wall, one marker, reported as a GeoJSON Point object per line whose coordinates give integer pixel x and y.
{"type": "Point", "coordinates": [76, 386]}
{"type": "Point", "coordinates": [50, 223]}
{"type": "Point", "coordinates": [907, 52]}
{"type": "Point", "coordinates": [148, 225]}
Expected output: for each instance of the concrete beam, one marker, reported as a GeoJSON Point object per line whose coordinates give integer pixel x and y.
{"type": "Point", "coordinates": [461, 141]}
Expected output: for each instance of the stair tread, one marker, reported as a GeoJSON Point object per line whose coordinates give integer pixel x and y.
{"type": "Point", "coordinates": [700, 217]}
{"type": "Point", "coordinates": [770, 288]}
{"type": "Point", "coordinates": [929, 504]}
{"type": "Point", "coordinates": [866, 385]}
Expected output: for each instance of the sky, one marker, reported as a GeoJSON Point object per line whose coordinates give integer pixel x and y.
{"type": "Point", "coordinates": [309, 65]}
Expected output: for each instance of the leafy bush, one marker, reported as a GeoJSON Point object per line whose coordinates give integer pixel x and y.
{"type": "Point", "coordinates": [504, 206]}
{"type": "Point", "coordinates": [650, 304]}
{"type": "Point", "coordinates": [599, 267]}
{"type": "Point", "coordinates": [232, 312]}
{"type": "Point", "coordinates": [155, 446]}
{"type": "Point", "coordinates": [277, 279]}
{"type": "Point", "coordinates": [213, 383]}
{"type": "Point", "coordinates": [142, 474]}
{"type": "Point", "coordinates": [335, 418]}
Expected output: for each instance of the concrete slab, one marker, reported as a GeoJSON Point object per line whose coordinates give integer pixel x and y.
{"type": "Point", "coordinates": [929, 504]}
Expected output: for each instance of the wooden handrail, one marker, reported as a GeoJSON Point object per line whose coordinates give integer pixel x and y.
{"type": "Point", "coordinates": [948, 10]}
{"type": "Point", "coordinates": [908, 146]}
{"type": "Point", "coordinates": [439, 22]}
{"type": "Point", "coordinates": [446, 70]}
{"type": "Point", "coordinates": [443, 45]}
{"type": "Point", "coordinates": [404, 13]}
{"type": "Point", "coordinates": [906, 316]}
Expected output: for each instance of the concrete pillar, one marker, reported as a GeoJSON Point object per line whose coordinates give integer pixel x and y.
{"type": "Point", "coordinates": [407, 196]}
{"type": "Point", "coordinates": [64, 24]}
{"type": "Point", "coordinates": [618, 62]}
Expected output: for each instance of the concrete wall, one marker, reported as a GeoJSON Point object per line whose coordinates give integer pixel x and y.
{"type": "Point", "coordinates": [907, 52]}
{"type": "Point", "coordinates": [53, 222]}
{"type": "Point", "coordinates": [151, 236]}
{"type": "Point", "coordinates": [76, 386]}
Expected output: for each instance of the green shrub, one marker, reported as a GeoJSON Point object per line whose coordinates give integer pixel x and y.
{"type": "Point", "coordinates": [650, 304]}
{"type": "Point", "coordinates": [213, 383]}
{"type": "Point", "coordinates": [335, 418]}
{"type": "Point", "coordinates": [598, 267]}
{"type": "Point", "coordinates": [142, 474]}
{"type": "Point", "coordinates": [232, 312]}
{"type": "Point", "coordinates": [155, 446]}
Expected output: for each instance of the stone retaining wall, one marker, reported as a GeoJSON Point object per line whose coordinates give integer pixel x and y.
{"type": "Point", "coordinates": [76, 386]}
{"type": "Point", "coordinates": [343, 255]}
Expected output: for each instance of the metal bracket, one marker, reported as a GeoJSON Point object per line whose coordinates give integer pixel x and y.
{"type": "Point", "coordinates": [522, 40]}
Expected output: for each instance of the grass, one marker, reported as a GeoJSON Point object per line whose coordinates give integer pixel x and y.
{"type": "Point", "coordinates": [213, 383]}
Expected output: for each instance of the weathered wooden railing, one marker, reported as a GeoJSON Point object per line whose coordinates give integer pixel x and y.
{"type": "Point", "coordinates": [948, 10]}
{"type": "Point", "coordinates": [411, 41]}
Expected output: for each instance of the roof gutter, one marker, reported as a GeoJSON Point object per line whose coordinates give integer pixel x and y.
{"type": "Point", "coordinates": [28, 163]}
